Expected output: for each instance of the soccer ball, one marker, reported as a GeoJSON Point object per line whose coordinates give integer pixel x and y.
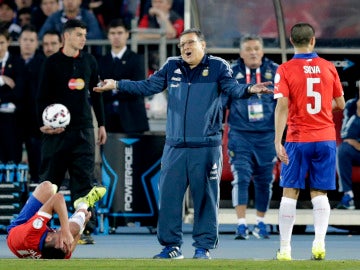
{"type": "Point", "coordinates": [56, 116]}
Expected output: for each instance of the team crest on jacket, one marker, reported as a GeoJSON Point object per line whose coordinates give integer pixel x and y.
{"type": "Point", "coordinates": [268, 75]}
{"type": "Point", "coordinates": [205, 72]}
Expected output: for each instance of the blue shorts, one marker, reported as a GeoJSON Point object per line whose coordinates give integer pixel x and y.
{"type": "Point", "coordinates": [315, 159]}
{"type": "Point", "coordinates": [31, 207]}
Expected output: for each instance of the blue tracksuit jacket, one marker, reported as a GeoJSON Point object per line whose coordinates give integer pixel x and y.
{"type": "Point", "coordinates": [192, 154]}
{"type": "Point", "coordinates": [194, 117]}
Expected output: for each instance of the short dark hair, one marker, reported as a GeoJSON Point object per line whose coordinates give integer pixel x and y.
{"type": "Point", "coordinates": [52, 253]}
{"type": "Point", "coordinates": [53, 33]}
{"type": "Point", "coordinates": [117, 23]}
{"type": "Point", "coordinates": [28, 28]}
{"type": "Point", "coordinates": [301, 34]}
{"type": "Point", "coordinates": [71, 24]}
{"type": "Point", "coordinates": [4, 31]}
{"type": "Point", "coordinates": [196, 31]}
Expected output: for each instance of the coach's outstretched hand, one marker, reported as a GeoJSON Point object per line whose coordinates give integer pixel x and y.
{"type": "Point", "coordinates": [106, 85]}
{"type": "Point", "coordinates": [261, 88]}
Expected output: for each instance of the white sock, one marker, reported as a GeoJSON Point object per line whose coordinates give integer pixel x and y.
{"type": "Point", "coordinates": [350, 192]}
{"type": "Point", "coordinates": [287, 215]}
{"type": "Point", "coordinates": [82, 205]}
{"type": "Point", "coordinates": [242, 221]}
{"type": "Point", "coordinates": [321, 213]}
{"type": "Point", "coordinates": [259, 219]}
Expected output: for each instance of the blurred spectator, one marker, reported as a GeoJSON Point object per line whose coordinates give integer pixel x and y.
{"type": "Point", "coordinates": [24, 4]}
{"type": "Point", "coordinates": [72, 10]}
{"type": "Point", "coordinates": [108, 10]}
{"type": "Point", "coordinates": [43, 11]}
{"type": "Point", "coordinates": [11, 95]}
{"type": "Point", "coordinates": [24, 16]}
{"type": "Point", "coordinates": [51, 42]}
{"type": "Point", "coordinates": [177, 6]}
{"type": "Point", "coordinates": [160, 13]}
{"type": "Point", "coordinates": [123, 113]}
{"type": "Point", "coordinates": [8, 18]}
{"type": "Point", "coordinates": [32, 61]}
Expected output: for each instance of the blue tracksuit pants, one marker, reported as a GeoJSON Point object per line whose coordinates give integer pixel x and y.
{"type": "Point", "coordinates": [197, 168]}
{"type": "Point", "coordinates": [346, 157]}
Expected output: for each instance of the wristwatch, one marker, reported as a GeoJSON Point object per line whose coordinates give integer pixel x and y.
{"type": "Point", "coordinates": [249, 89]}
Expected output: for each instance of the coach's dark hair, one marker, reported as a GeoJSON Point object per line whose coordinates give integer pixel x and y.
{"type": "Point", "coordinates": [196, 31]}
{"type": "Point", "coordinates": [71, 24]}
{"type": "Point", "coordinates": [52, 253]}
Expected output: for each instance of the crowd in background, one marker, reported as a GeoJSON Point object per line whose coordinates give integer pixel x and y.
{"type": "Point", "coordinates": [43, 14]}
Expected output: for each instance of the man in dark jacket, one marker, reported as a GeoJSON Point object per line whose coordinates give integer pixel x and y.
{"type": "Point", "coordinates": [123, 113]}
{"type": "Point", "coordinates": [32, 60]}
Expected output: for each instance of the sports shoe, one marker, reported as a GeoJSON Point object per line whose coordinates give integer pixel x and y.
{"type": "Point", "coordinates": [170, 252]}
{"type": "Point", "coordinates": [283, 256]}
{"type": "Point", "coordinates": [202, 253]}
{"type": "Point", "coordinates": [260, 231]}
{"type": "Point", "coordinates": [242, 232]}
{"type": "Point", "coordinates": [94, 195]}
{"type": "Point", "coordinates": [346, 203]}
{"type": "Point", "coordinates": [86, 239]}
{"type": "Point", "coordinates": [318, 253]}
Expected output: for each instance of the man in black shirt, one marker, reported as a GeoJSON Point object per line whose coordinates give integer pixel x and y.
{"type": "Point", "coordinates": [67, 78]}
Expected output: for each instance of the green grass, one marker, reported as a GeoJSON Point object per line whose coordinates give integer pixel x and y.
{"type": "Point", "coordinates": [148, 264]}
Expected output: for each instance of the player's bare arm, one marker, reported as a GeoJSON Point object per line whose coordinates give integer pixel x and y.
{"type": "Point", "coordinates": [281, 114]}
{"type": "Point", "coordinates": [56, 204]}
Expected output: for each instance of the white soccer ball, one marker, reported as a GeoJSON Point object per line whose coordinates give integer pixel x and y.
{"type": "Point", "coordinates": [56, 116]}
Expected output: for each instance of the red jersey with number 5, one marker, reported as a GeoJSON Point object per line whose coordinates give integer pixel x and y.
{"type": "Point", "coordinates": [310, 83]}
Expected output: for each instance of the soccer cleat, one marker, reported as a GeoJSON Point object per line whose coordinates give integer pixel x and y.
{"type": "Point", "coordinates": [170, 252]}
{"type": "Point", "coordinates": [202, 253]}
{"type": "Point", "coordinates": [260, 231]}
{"type": "Point", "coordinates": [318, 253]}
{"type": "Point", "coordinates": [95, 194]}
{"type": "Point", "coordinates": [346, 203]}
{"type": "Point", "coordinates": [86, 239]}
{"type": "Point", "coordinates": [283, 256]}
{"type": "Point", "coordinates": [242, 232]}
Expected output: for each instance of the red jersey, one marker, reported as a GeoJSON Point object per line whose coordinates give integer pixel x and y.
{"type": "Point", "coordinates": [26, 240]}
{"type": "Point", "coordinates": [310, 83]}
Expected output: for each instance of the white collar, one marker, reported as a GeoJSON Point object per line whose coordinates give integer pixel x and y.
{"type": "Point", "coordinates": [120, 54]}
{"type": "Point", "coordinates": [5, 58]}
